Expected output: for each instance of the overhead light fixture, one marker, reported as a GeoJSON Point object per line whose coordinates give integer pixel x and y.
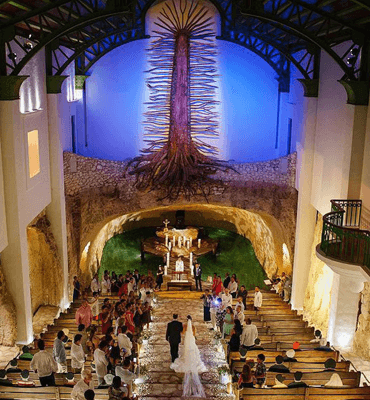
{"type": "Point", "coordinates": [351, 61]}
{"type": "Point", "coordinates": [355, 51]}
{"type": "Point", "coordinates": [12, 56]}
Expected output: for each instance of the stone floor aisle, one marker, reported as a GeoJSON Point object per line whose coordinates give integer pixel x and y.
{"type": "Point", "coordinates": [160, 382]}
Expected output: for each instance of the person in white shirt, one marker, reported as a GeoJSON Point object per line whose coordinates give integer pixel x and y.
{"type": "Point", "coordinates": [126, 375]}
{"type": "Point", "coordinates": [131, 286]}
{"type": "Point", "coordinates": [249, 335]}
{"type": "Point", "coordinates": [86, 383]}
{"type": "Point", "coordinates": [257, 298]}
{"type": "Point", "coordinates": [77, 354]}
{"type": "Point", "coordinates": [239, 314]}
{"type": "Point", "coordinates": [44, 365]}
{"type": "Point", "coordinates": [233, 287]}
{"type": "Point", "coordinates": [95, 285]}
{"type": "Point", "coordinates": [124, 341]}
{"type": "Point", "coordinates": [227, 299]}
{"type": "Point", "coordinates": [101, 361]}
{"type": "Point", "coordinates": [106, 285]}
{"type": "Point", "coordinates": [240, 303]}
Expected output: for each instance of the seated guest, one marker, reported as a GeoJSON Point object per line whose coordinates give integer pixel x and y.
{"type": "Point", "coordinates": [26, 355]}
{"type": "Point", "coordinates": [330, 364]}
{"type": "Point", "coordinates": [89, 395]}
{"type": "Point", "coordinates": [289, 357]}
{"type": "Point", "coordinates": [116, 391]}
{"type": "Point", "coordinates": [233, 287]}
{"type": "Point", "coordinates": [334, 381]}
{"type": "Point", "coordinates": [4, 381]}
{"type": "Point", "coordinates": [240, 303]}
{"type": "Point", "coordinates": [257, 345]}
{"type": "Point", "coordinates": [25, 382]}
{"type": "Point", "coordinates": [246, 378]}
{"type": "Point", "coordinates": [297, 381]}
{"type": "Point", "coordinates": [126, 375]}
{"type": "Point", "coordinates": [318, 337]}
{"type": "Point", "coordinates": [296, 346]}
{"type": "Point", "coordinates": [260, 371]}
{"type": "Point", "coordinates": [44, 365]}
{"type": "Point", "coordinates": [279, 367]}
{"type": "Point", "coordinates": [13, 368]}
{"type": "Point", "coordinates": [70, 379]}
{"type": "Point", "coordinates": [279, 382]}
{"type": "Point", "coordinates": [249, 335]}
{"type": "Point", "coordinates": [82, 385]}
{"type": "Point", "coordinates": [324, 345]}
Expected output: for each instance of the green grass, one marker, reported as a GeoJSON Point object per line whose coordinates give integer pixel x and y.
{"type": "Point", "coordinates": [122, 253]}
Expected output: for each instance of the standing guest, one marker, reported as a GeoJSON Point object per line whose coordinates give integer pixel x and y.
{"type": "Point", "coordinates": [226, 280]}
{"type": "Point", "coordinates": [145, 316]}
{"type": "Point", "coordinates": [84, 314]}
{"type": "Point", "coordinates": [214, 281]}
{"type": "Point", "coordinates": [116, 391]}
{"type": "Point", "coordinates": [243, 293]}
{"type": "Point", "coordinates": [82, 331]}
{"type": "Point", "coordinates": [59, 352]}
{"type": "Point", "coordinates": [238, 327]}
{"type": "Point", "coordinates": [233, 287]}
{"type": "Point", "coordinates": [257, 298]}
{"type": "Point", "coordinates": [239, 302]}
{"type": "Point", "coordinates": [227, 299]}
{"type": "Point", "coordinates": [86, 383]}
{"type": "Point", "coordinates": [77, 354]}
{"type": "Point", "coordinates": [94, 339]}
{"type": "Point", "coordinates": [76, 288]}
{"type": "Point", "coordinates": [218, 288]}
{"type": "Point", "coordinates": [126, 375]}
{"type": "Point", "coordinates": [95, 285]}
{"type": "Point", "coordinates": [198, 276]}
{"type": "Point", "coordinates": [239, 315]}
{"type": "Point", "coordinates": [44, 365]}
{"type": "Point", "coordinates": [260, 371]}
{"type": "Point", "coordinates": [113, 282]}
{"type": "Point", "coordinates": [94, 304]}
{"type": "Point", "coordinates": [129, 318]}
{"type": "Point", "coordinates": [136, 276]}
{"type": "Point", "coordinates": [106, 285]}
{"type": "Point", "coordinates": [105, 318]}
{"type": "Point", "coordinates": [234, 343]}
{"type": "Point", "coordinates": [124, 342]}
{"type": "Point", "coordinates": [228, 321]}
{"type": "Point", "coordinates": [249, 335]}
{"type": "Point", "coordinates": [130, 286]}
{"type": "Point", "coordinates": [159, 279]}
{"type": "Point", "coordinates": [206, 305]}
{"type": "Point", "coordinates": [101, 361]}
{"type": "Point", "coordinates": [215, 303]}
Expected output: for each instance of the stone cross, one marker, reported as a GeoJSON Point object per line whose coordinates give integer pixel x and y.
{"type": "Point", "coordinates": [166, 222]}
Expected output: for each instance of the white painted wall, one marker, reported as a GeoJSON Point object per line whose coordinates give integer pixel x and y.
{"type": "Point", "coordinates": [3, 225]}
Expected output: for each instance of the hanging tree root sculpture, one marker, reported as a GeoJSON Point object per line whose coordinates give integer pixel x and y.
{"type": "Point", "coordinates": [181, 113]}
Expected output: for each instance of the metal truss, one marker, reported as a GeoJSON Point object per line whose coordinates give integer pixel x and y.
{"type": "Point", "coordinates": [280, 31]}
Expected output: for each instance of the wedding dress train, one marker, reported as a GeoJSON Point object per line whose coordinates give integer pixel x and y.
{"type": "Point", "coordinates": [191, 364]}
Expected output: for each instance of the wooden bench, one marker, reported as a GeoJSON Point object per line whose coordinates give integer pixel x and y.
{"type": "Point", "coordinates": [362, 393]}
{"type": "Point", "coordinates": [47, 393]}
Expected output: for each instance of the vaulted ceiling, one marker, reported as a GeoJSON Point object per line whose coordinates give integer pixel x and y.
{"type": "Point", "coordinates": [283, 32]}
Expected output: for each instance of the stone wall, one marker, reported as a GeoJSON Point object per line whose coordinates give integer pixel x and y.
{"type": "Point", "coordinates": [361, 342]}
{"type": "Point", "coordinates": [46, 274]}
{"type": "Point", "coordinates": [97, 192]}
{"type": "Point", "coordinates": [8, 321]}
{"type": "Point", "coordinates": [318, 292]}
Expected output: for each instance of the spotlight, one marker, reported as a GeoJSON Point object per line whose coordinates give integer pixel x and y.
{"type": "Point", "coordinates": [355, 51]}
{"type": "Point", "coordinates": [351, 61]}
{"type": "Point", "coordinates": [12, 56]}
{"type": "Point", "coordinates": [28, 46]}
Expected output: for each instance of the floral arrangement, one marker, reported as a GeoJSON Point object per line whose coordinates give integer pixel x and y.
{"type": "Point", "coordinates": [146, 335]}
{"type": "Point", "coordinates": [223, 369]}
{"type": "Point", "coordinates": [218, 335]}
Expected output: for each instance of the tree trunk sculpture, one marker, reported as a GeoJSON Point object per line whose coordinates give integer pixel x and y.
{"type": "Point", "coordinates": [181, 112]}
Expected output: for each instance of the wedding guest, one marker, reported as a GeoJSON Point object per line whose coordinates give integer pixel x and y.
{"type": "Point", "coordinates": [297, 381]}
{"type": "Point", "coordinates": [243, 293]}
{"type": "Point", "coordinates": [246, 378]}
{"type": "Point", "coordinates": [101, 361]}
{"type": "Point", "coordinates": [82, 331]}
{"type": "Point", "coordinates": [279, 382]}
{"type": "Point", "coordinates": [249, 335]}
{"type": "Point", "coordinates": [228, 321]}
{"type": "Point", "coordinates": [77, 354]}
{"type": "Point", "coordinates": [94, 340]}
{"type": "Point", "coordinates": [239, 314]}
{"type": "Point", "coordinates": [215, 303]}
{"type": "Point", "coordinates": [105, 318]}
{"type": "Point", "coordinates": [116, 391]}
{"type": "Point", "coordinates": [239, 302]}
{"type": "Point", "coordinates": [159, 279]}
{"type": "Point", "coordinates": [227, 299]}
{"type": "Point", "coordinates": [84, 314]}
{"type": "Point", "coordinates": [234, 342]}
{"type": "Point", "coordinates": [89, 395]}
{"type": "Point", "coordinates": [145, 317]}
{"type": "Point", "coordinates": [95, 285]}
{"type": "Point", "coordinates": [59, 352]}
{"type": "Point", "coordinates": [279, 366]}
{"type": "Point", "coordinates": [214, 282]}
{"type": "Point", "coordinates": [218, 288]}
{"type": "Point", "coordinates": [114, 281]}
{"type": "Point", "coordinates": [198, 276]}
{"type": "Point", "coordinates": [257, 298]}
{"type": "Point", "coordinates": [124, 341]}
{"type": "Point", "coordinates": [126, 375]}
{"type": "Point", "coordinates": [106, 285]}
{"type": "Point", "coordinates": [260, 371]}
{"type": "Point", "coordinates": [76, 288]}
{"type": "Point", "coordinates": [44, 365]}
{"type": "Point", "coordinates": [129, 318]}
{"type": "Point", "coordinates": [233, 287]}
{"type": "Point", "coordinates": [86, 383]}
{"type": "Point", "coordinates": [206, 305]}
{"type": "Point", "coordinates": [226, 280]}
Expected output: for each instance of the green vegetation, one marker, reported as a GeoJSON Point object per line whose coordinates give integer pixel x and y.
{"type": "Point", "coordinates": [122, 253]}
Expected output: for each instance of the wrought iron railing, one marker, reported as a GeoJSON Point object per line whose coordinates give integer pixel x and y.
{"type": "Point", "coordinates": [341, 237]}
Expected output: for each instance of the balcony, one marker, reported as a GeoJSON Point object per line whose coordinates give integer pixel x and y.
{"type": "Point", "coordinates": [343, 244]}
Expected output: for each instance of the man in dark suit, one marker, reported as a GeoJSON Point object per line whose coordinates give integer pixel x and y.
{"type": "Point", "coordinates": [173, 336]}
{"type": "Point", "coordinates": [198, 276]}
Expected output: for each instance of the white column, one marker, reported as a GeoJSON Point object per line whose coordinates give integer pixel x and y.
{"type": "Point", "coordinates": [306, 213]}
{"type": "Point", "coordinates": [59, 126]}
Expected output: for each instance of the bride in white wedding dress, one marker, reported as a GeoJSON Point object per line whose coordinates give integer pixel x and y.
{"type": "Point", "coordinates": [191, 364]}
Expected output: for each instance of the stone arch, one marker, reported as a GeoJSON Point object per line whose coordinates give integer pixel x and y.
{"type": "Point", "coordinates": [265, 233]}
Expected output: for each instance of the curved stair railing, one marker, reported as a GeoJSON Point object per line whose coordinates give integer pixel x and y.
{"type": "Point", "coordinates": [342, 238]}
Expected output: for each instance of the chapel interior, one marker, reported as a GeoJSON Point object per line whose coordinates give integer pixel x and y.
{"type": "Point", "coordinates": [275, 163]}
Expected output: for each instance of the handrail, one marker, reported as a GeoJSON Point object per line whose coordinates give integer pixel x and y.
{"type": "Point", "coordinates": [342, 237]}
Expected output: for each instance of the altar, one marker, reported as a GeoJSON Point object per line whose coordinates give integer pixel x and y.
{"type": "Point", "coordinates": [179, 249]}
